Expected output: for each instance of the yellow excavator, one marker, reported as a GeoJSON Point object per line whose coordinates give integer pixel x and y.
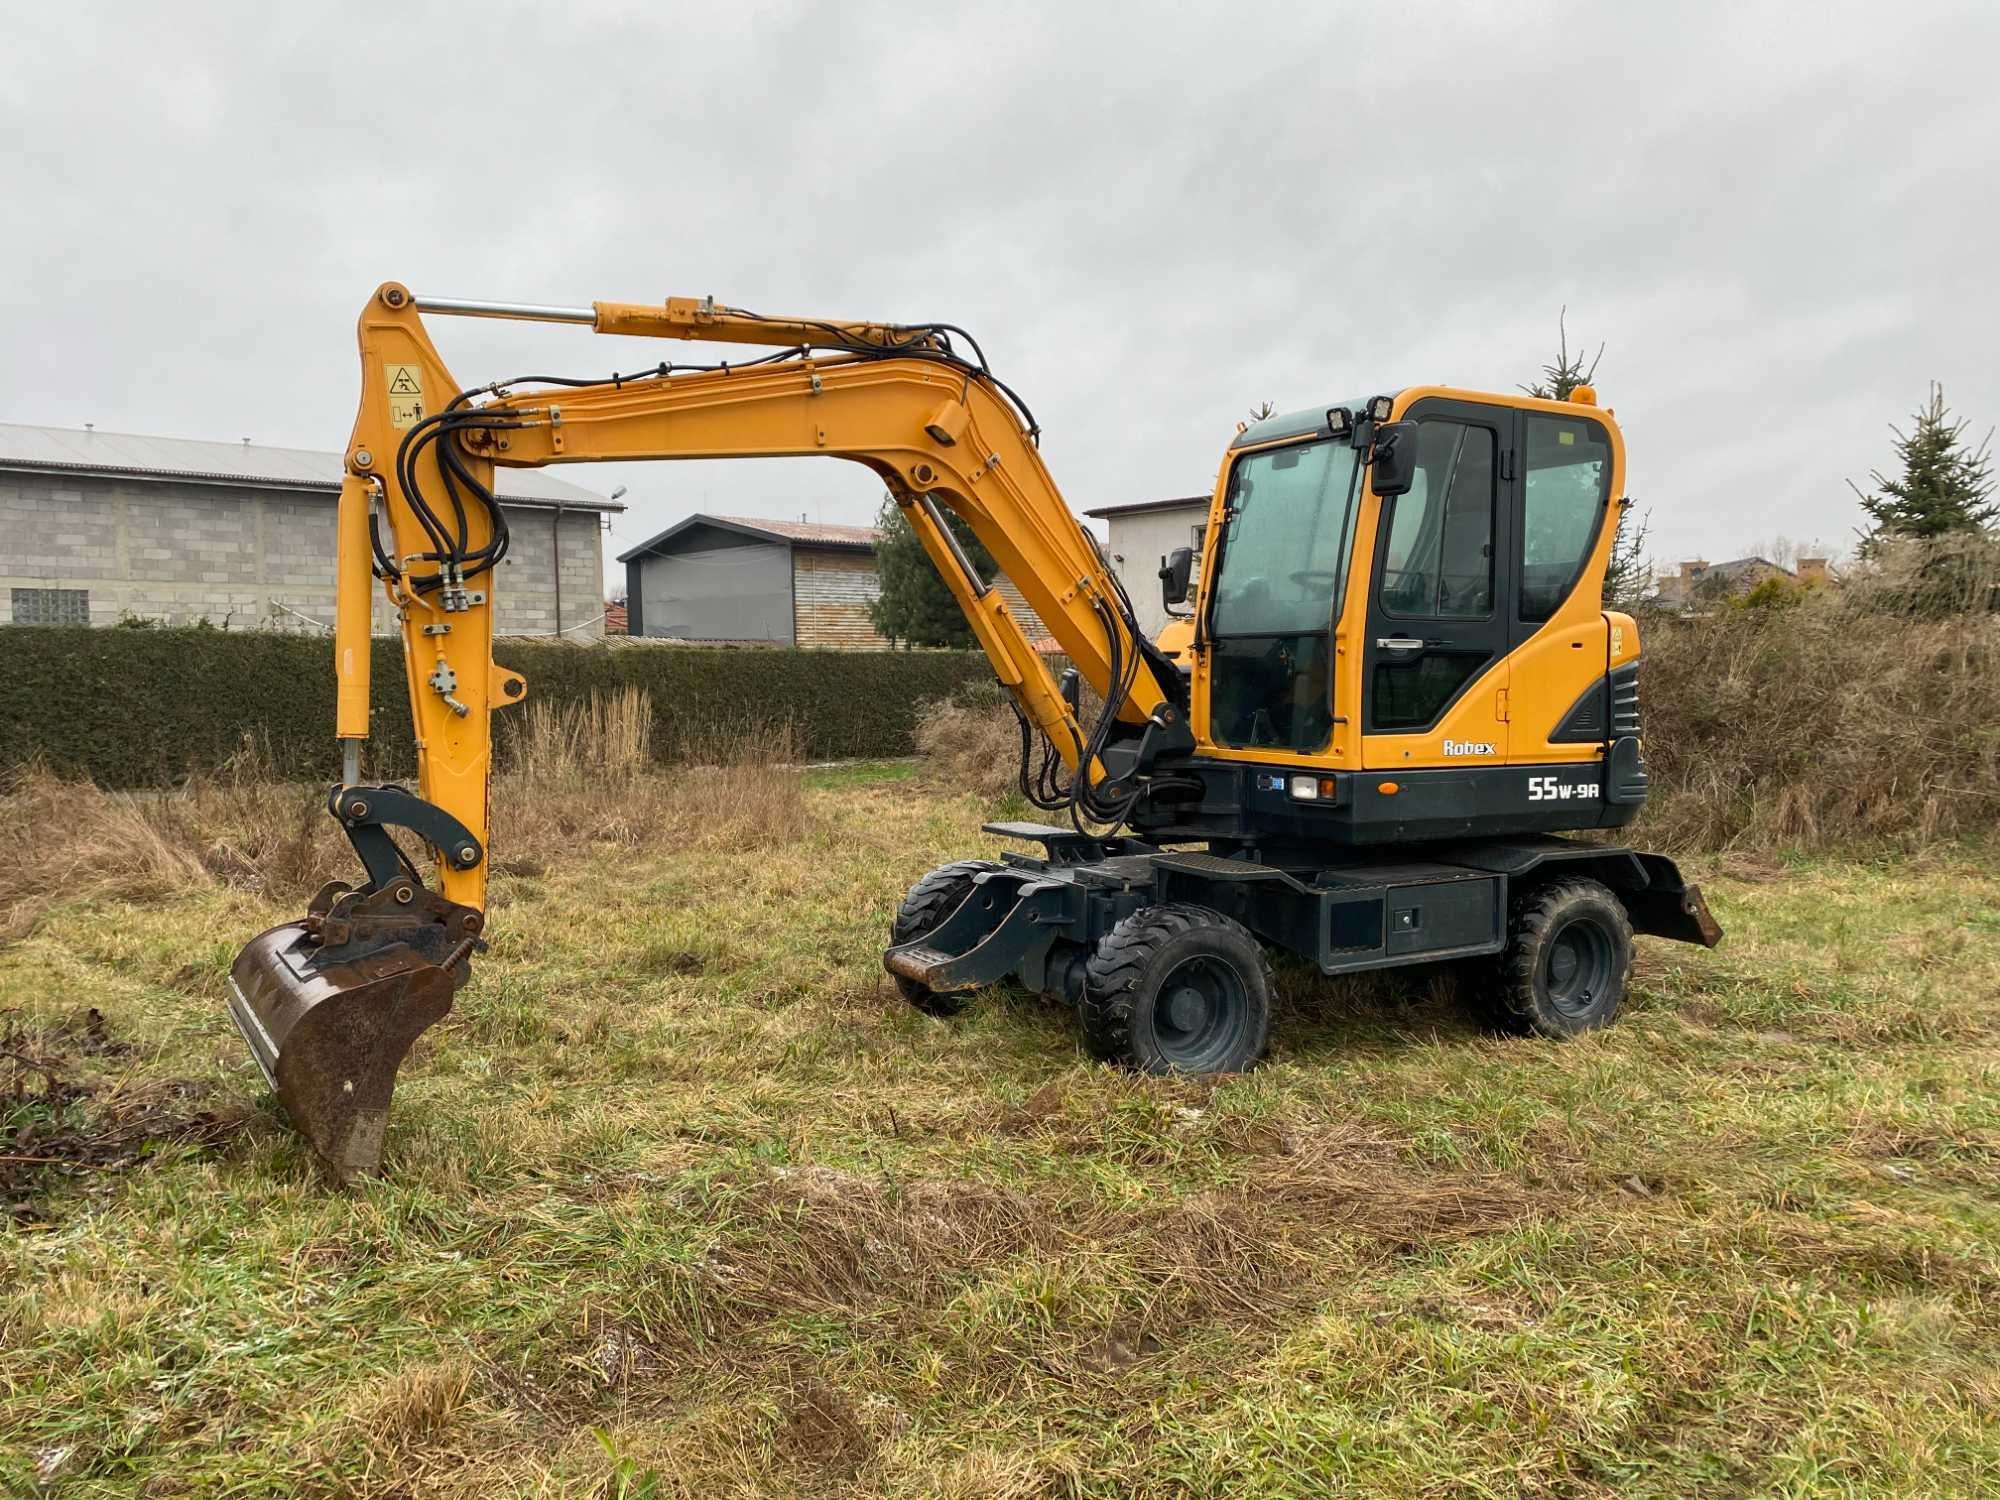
{"type": "Point", "coordinates": [1402, 697]}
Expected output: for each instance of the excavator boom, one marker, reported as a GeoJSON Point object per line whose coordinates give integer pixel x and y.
{"type": "Point", "coordinates": [331, 1004]}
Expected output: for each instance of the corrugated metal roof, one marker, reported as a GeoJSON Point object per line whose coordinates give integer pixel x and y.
{"type": "Point", "coordinates": [73, 450]}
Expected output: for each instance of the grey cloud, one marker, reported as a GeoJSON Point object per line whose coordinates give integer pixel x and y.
{"type": "Point", "coordinates": [1777, 217]}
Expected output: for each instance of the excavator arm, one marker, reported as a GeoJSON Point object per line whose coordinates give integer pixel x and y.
{"type": "Point", "coordinates": [330, 1005]}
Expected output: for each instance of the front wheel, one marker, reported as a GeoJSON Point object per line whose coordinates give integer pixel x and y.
{"type": "Point", "coordinates": [1568, 959]}
{"type": "Point", "coordinates": [1177, 988]}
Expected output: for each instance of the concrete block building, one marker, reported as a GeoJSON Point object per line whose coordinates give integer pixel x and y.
{"type": "Point", "coordinates": [1141, 534]}
{"type": "Point", "coordinates": [96, 527]}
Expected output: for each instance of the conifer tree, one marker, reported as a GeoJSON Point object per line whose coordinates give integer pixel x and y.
{"type": "Point", "coordinates": [1945, 485]}
{"type": "Point", "coordinates": [915, 608]}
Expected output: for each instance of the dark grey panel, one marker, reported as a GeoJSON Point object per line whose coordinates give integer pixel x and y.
{"type": "Point", "coordinates": [1625, 699]}
{"type": "Point", "coordinates": [1585, 721]}
{"type": "Point", "coordinates": [635, 610]}
{"type": "Point", "coordinates": [739, 593]}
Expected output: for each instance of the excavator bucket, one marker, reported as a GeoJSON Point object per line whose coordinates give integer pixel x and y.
{"type": "Point", "coordinates": [330, 1006]}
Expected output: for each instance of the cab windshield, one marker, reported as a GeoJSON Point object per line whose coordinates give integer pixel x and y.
{"type": "Point", "coordinates": [1284, 551]}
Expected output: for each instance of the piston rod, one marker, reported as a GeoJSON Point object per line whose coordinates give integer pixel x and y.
{"type": "Point", "coordinates": [527, 312]}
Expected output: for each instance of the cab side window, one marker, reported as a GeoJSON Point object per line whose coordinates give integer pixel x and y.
{"type": "Point", "coordinates": [1437, 567]}
{"type": "Point", "coordinates": [1438, 563]}
{"type": "Point", "coordinates": [1566, 486]}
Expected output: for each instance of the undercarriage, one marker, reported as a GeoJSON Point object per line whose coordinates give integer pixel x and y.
{"type": "Point", "coordinates": [1063, 922]}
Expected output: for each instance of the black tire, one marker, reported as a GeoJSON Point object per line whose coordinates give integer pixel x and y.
{"type": "Point", "coordinates": [1567, 962]}
{"type": "Point", "coordinates": [928, 903]}
{"type": "Point", "coordinates": [1177, 988]}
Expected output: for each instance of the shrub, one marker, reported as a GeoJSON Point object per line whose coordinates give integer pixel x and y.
{"type": "Point", "coordinates": [130, 708]}
{"type": "Point", "coordinates": [1825, 723]}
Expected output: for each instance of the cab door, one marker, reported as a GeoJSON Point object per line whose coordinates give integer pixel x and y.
{"type": "Point", "coordinates": [1440, 610]}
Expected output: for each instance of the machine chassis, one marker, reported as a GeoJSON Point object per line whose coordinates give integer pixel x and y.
{"type": "Point", "coordinates": [1038, 919]}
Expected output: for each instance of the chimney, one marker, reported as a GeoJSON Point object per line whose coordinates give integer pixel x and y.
{"type": "Point", "coordinates": [1693, 570]}
{"type": "Point", "coordinates": [1812, 570]}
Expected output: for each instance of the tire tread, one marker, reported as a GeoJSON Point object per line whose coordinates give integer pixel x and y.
{"type": "Point", "coordinates": [1119, 963]}
{"type": "Point", "coordinates": [1531, 917]}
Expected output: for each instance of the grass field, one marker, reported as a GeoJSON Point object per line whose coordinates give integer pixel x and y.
{"type": "Point", "coordinates": [682, 1200]}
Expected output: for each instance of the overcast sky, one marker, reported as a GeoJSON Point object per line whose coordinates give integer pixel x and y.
{"type": "Point", "coordinates": [1782, 221]}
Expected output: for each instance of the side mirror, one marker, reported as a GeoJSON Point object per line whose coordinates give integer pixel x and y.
{"type": "Point", "coordinates": [1395, 458]}
{"type": "Point", "coordinates": [1175, 570]}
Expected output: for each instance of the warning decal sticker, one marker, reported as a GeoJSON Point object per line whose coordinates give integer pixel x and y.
{"type": "Point", "coordinates": [406, 394]}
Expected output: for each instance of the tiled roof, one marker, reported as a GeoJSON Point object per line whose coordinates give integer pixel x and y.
{"type": "Point", "coordinates": [1741, 565]}
{"type": "Point", "coordinates": [801, 533]}
{"type": "Point", "coordinates": [76, 450]}
{"type": "Point", "coordinates": [808, 531]}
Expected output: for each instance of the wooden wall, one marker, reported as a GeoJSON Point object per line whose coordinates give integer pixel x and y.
{"type": "Point", "coordinates": [831, 591]}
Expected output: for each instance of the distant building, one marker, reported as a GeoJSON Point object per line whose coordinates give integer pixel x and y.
{"type": "Point", "coordinates": [1142, 533]}
{"type": "Point", "coordinates": [742, 580]}
{"type": "Point", "coordinates": [614, 617]}
{"type": "Point", "coordinates": [1699, 580]}
{"type": "Point", "coordinates": [96, 527]}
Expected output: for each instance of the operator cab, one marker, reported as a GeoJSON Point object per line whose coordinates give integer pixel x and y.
{"type": "Point", "coordinates": [1499, 513]}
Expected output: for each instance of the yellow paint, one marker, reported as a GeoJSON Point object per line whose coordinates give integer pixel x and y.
{"type": "Point", "coordinates": [350, 608]}
{"type": "Point", "coordinates": [927, 431]}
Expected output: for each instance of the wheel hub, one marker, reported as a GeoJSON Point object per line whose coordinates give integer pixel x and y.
{"type": "Point", "coordinates": [1579, 967]}
{"type": "Point", "coordinates": [1187, 1008]}
{"type": "Point", "coordinates": [1562, 964]}
{"type": "Point", "coordinates": [1200, 1010]}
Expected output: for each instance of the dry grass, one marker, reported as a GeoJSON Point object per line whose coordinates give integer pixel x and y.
{"type": "Point", "coordinates": [69, 839]}
{"type": "Point", "coordinates": [573, 777]}
{"type": "Point", "coordinates": [605, 738]}
{"type": "Point", "coordinates": [1850, 716]}
{"type": "Point", "coordinates": [973, 740]}
{"type": "Point", "coordinates": [682, 1200]}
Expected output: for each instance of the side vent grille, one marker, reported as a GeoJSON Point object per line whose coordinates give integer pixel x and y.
{"type": "Point", "coordinates": [1625, 700]}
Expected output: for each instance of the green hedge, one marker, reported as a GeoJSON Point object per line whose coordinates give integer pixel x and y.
{"type": "Point", "coordinates": [146, 707]}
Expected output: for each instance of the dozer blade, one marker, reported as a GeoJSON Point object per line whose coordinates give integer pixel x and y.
{"type": "Point", "coordinates": [329, 1024]}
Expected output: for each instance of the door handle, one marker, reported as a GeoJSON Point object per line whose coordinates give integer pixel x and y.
{"type": "Point", "coordinates": [1402, 645]}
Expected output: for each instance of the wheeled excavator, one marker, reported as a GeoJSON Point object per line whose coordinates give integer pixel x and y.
{"type": "Point", "coordinates": [1406, 727]}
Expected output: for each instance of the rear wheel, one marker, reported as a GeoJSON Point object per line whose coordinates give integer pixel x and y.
{"type": "Point", "coordinates": [1568, 959]}
{"type": "Point", "coordinates": [1177, 988]}
{"type": "Point", "coordinates": [924, 909]}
